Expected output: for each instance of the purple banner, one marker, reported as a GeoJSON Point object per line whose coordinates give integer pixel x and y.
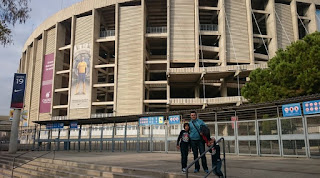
{"type": "Point", "coordinates": [46, 83]}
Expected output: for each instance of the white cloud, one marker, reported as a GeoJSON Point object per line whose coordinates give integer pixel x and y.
{"type": "Point", "coordinates": [10, 55]}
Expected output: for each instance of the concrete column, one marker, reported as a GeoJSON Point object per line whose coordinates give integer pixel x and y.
{"type": "Point", "coordinates": [223, 33]}
{"type": "Point", "coordinates": [250, 31]}
{"type": "Point", "coordinates": [73, 32]}
{"type": "Point", "coordinates": [143, 50]}
{"type": "Point", "coordinates": [196, 31]}
{"type": "Point", "coordinates": [13, 145]}
{"type": "Point", "coordinates": [197, 91]}
{"type": "Point", "coordinates": [272, 28]}
{"type": "Point", "coordinates": [116, 51]}
{"type": "Point", "coordinates": [312, 27]}
{"type": "Point", "coordinates": [223, 88]}
{"type": "Point", "coordinates": [294, 20]}
{"type": "Point", "coordinates": [168, 51]}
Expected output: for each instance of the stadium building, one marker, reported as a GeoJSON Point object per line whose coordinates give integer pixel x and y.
{"type": "Point", "coordinates": [101, 58]}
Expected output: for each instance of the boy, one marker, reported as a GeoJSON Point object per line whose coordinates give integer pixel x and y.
{"type": "Point", "coordinates": [215, 156]}
{"type": "Point", "coordinates": [183, 144]}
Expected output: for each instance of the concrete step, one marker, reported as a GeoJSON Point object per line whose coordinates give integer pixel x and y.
{"type": "Point", "coordinates": [43, 167]}
{"type": "Point", "coordinates": [106, 170]}
{"type": "Point", "coordinates": [15, 173]}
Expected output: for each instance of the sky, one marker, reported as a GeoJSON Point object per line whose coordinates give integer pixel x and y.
{"type": "Point", "coordinates": [11, 54]}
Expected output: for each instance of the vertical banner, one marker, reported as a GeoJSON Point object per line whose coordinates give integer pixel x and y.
{"type": "Point", "coordinates": [19, 85]}
{"type": "Point", "coordinates": [80, 87]}
{"type": "Point", "coordinates": [46, 83]}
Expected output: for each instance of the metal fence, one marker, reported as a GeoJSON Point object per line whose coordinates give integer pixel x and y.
{"type": "Point", "coordinates": [258, 131]}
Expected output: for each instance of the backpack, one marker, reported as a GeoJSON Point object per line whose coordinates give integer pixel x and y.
{"type": "Point", "coordinates": [205, 132]}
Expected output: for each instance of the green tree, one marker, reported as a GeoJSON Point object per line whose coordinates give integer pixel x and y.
{"type": "Point", "coordinates": [11, 12]}
{"type": "Point", "coordinates": [293, 72]}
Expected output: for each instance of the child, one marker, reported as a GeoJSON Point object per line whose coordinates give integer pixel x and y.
{"type": "Point", "coordinates": [215, 156]}
{"type": "Point", "coordinates": [183, 143]}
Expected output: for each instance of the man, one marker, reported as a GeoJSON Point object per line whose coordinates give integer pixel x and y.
{"type": "Point", "coordinates": [197, 144]}
{"type": "Point", "coordinates": [82, 70]}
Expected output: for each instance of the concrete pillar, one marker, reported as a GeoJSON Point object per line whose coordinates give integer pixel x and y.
{"type": "Point", "coordinates": [196, 31]}
{"type": "Point", "coordinates": [250, 31]}
{"type": "Point", "coordinates": [223, 88]}
{"type": "Point", "coordinates": [272, 28]}
{"type": "Point", "coordinates": [13, 145]}
{"type": "Point", "coordinates": [223, 33]}
{"type": "Point", "coordinates": [73, 32]}
{"type": "Point", "coordinates": [312, 27]}
{"type": "Point", "coordinates": [294, 20]}
{"type": "Point", "coordinates": [116, 51]}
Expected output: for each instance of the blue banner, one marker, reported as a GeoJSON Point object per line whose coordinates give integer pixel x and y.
{"type": "Point", "coordinates": [19, 84]}
{"type": "Point", "coordinates": [157, 120]}
{"type": "Point", "coordinates": [174, 119]}
{"type": "Point", "coordinates": [290, 110]}
{"type": "Point", "coordinates": [311, 107]}
{"type": "Point", "coordinates": [73, 125]}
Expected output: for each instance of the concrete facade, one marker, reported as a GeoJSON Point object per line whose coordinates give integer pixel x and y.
{"type": "Point", "coordinates": [159, 55]}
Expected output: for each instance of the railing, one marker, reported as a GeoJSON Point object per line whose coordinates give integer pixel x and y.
{"type": "Point", "coordinates": [204, 153]}
{"type": "Point", "coordinates": [107, 33]}
{"type": "Point", "coordinates": [208, 27]}
{"type": "Point", "coordinates": [156, 29]}
{"type": "Point", "coordinates": [44, 145]}
{"type": "Point", "coordinates": [59, 117]}
{"type": "Point", "coordinates": [101, 115]}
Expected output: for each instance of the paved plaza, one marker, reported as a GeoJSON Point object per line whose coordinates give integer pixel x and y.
{"type": "Point", "coordinates": [237, 166]}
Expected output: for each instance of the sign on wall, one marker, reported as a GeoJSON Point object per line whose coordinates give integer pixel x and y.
{"type": "Point", "coordinates": [157, 120]}
{"type": "Point", "coordinates": [46, 83]}
{"type": "Point", "coordinates": [73, 125]}
{"type": "Point", "coordinates": [19, 84]}
{"type": "Point", "coordinates": [311, 107]}
{"type": "Point", "coordinates": [174, 119]}
{"type": "Point", "coordinates": [290, 110]}
{"type": "Point", "coordinates": [55, 125]}
{"type": "Point", "coordinates": [80, 86]}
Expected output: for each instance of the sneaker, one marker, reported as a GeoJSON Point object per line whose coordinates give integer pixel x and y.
{"type": "Point", "coordinates": [183, 170]}
{"type": "Point", "coordinates": [196, 170]}
{"type": "Point", "coordinates": [206, 171]}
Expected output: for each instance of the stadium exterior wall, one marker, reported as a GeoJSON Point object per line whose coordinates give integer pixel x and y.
{"type": "Point", "coordinates": [122, 57]}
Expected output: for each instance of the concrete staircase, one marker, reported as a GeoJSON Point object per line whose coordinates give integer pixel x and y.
{"type": "Point", "coordinates": [48, 167]}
